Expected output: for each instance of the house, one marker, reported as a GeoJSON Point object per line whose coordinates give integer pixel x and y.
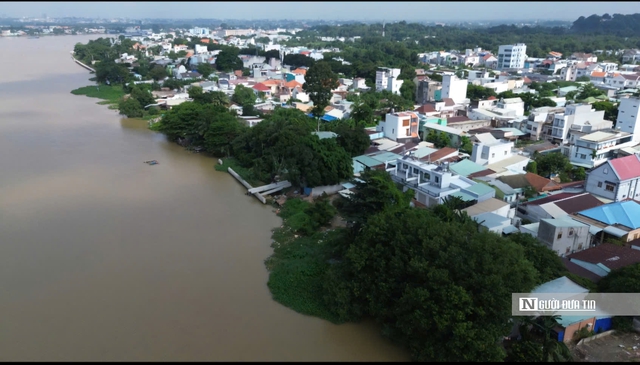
{"type": "Point", "coordinates": [515, 164]}
{"type": "Point", "coordinates": [466, 167]}
{"type": "Point", "coordinates": [629, 117]}
{"type": "Point", "coordinates": [489, 61]}
{"type": "Point", "coordinates": [262, 88]}
{"type": "Point", "coordinates": [537, 182]}
{"type": "Point", "coordinates": [596, 148]}
{"type": "Point", "coordinates": [604, 258]}
{"type": "Point", "coordinates": [433, 183]}
{"type": "Point", "coordinates": [616, 180]}
{"type": "Point", "coordinates": [428, 90]}
{"type": "Point", "coordinates": [620, 220]}
{"type": "Point", "coordinates": [493, 222]}
{"type": "Point", "coordinates": [400, 126]}
{"type": "Point", "coordinates": [569, 325]}
{"type": "Point", "coordinates": [454, 88]}
{"type": "Point", "coordinates": [465, 124]}
{"type": "Point", "coordinates": [631, 56]}
{"type": "Point", "coordinates": [512, 56]}
{"type": "Point", "coordinates": [564, 235]}
{"type": "Point", "coordinates": [557, 206]}
{"type": "Point", "coordinates": [577, 118]}
{"type": "Point", "coordinates": [387, 79]}
{"type": "Point", "coordinates": [488, 150]}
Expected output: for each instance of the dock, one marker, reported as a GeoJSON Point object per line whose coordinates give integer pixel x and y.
{"type": "Point", "coordinates": [82, 64]}
{"type": "Point", "coordinates": [260, 192]}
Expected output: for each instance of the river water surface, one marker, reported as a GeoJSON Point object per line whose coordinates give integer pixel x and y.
{"type": "Point", "coordinates": [103, 257]}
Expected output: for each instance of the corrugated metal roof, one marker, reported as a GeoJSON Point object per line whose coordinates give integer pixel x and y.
{"type": "Point", "coordinates": [466, 167]}
{"type": "Point", "coordinates": [560, 285]}
{"type": "Point", "coordinates": [464, 196]}
{"type": "Point", "coordinates": [626, 213]}
{"type": "Point", "coordinates": [480, 189]}
{"type": "Point", "coordinates": [626, 167]}
{"type": "Point", "coordinates": [367, 161]}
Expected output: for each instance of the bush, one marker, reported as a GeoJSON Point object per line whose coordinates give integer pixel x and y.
{"type": "Point", "coordinates": [622, 324]}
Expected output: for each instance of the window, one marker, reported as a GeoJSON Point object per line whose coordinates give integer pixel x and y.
{"type": "Point", "coordinates": [599, 184]}
{"type": "Point", "coordinates": [605, 171]}
{"type": "Point", "coordinates": [415, 170]}
{"type": "Point", "coordinates": [382, 129]}
{"type": "Point", "coordinates": [493, 155]}
{"type": "Point", "coordinates": [408, 134]}
{"type": "Point", "coordinates": [609, 187]}
{"type": "Point", "coordinates": [571, 232]}
{"type": "Point", "coordinates": [559, 235]}
{"type": "Point", "coordinates": [580, 246]}
{"type": "Point", "coordinates": [437, 179]}
{"type": "Point", "coordinates": [505, 153]}
{"type": "Point", "coordinates": [393, 131]}
{"type": "Point", "coordinates": [426, 176]}
{"type": "Point", "coordinates": [405, 123]}
{"type": "Point", "coordinates": [583, 156]}
{"type": "Point", "coordinates": [405, 166]}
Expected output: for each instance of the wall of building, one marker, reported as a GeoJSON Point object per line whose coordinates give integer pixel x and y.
{"type": "Point", "coordinates": [573, 328]}
{"type": "Point", "coordinates": [595, 183]}
{"type": "Point", "coordinates": [628, 116]}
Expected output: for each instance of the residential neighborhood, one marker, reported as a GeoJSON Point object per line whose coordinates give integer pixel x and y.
{"type": "Point", "coordinates": [543, 148]}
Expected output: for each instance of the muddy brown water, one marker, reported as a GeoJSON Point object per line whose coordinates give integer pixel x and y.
{"type": "Point", "coordinates": [103, 257]}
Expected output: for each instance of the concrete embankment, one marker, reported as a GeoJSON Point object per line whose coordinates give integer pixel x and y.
{"type": "Point", "coordinates": [82, 64]}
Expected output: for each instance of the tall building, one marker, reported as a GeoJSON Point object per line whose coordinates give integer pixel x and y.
{"type": "Point", "coordinates": [454, 88]}
{"type": "Point", "coordinates": [629, 116]}
{"type": "Point", "coordinates": [387, 79]}
{"type": "Point", "coordinates": [512, 56]}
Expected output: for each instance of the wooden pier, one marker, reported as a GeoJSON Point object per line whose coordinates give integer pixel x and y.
{"type": "Point", "coordinates": [262, 191]}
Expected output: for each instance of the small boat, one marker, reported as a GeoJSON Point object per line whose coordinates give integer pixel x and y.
{"type": "Point", "coordinates": [151, 162]}
{"type": "Point", "coordinates": [34, 37]}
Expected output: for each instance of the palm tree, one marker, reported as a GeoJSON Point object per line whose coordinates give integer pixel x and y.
{"type": "Point", "coordinates": [552, 350]}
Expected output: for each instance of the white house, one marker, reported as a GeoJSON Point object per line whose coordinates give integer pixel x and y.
{"type": "Point", "coordinates": [399, 126]}
{"type": "Point", "coordinates": [512, 56]}
{"type": "Point", "coordinates": [515, 104]}
{"type": "Point", "coordinates": [616, 179]}
{"type": "Point", "coordinates": [564, 235]}
{"type": "Point", "coordinates": [595, 148]}
{"type": "Point", "coordinates": [454, 88]}
{"type": "Point", "coordinates": [578, 117]}
{"type": "Point", "coordinates": [201, 49]}
{"type": "Point", "coordinates": [387, 79]}
{"type": "Point", "coordinates": [488, 150]}
{"type": "Point", "coordinates": [628, 116]}
{"type": "Point", "coordinates": [433, 183]}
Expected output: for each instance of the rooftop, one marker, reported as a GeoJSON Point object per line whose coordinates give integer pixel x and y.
{"type": "Point", "coordinates": [627, 167]}
{"type": "Point", "coordinates": [466, 167]}
{"type": "Point", "coordinates": [489, 205]}
{"type": "Point", "coordinates": [626, 213]}
{"type": "Point", "coordinates": [603, 136]}
{"type": "Point", "coordinates": [560, 285]}
{"type": "Point", "coordinates": [609, 255]}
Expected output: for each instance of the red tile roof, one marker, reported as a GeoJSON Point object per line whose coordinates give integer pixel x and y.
{"type": "Point", "coordinates": [610, 255]}
{"type": "Point", "coordinates": [491, 98]}
{"type": "Point", "coordinates": [453, 120]}
{"type": "Point", "coordinates": [426, 108]}
{"type": "Point", "coordinates": [439, 154]}
{"type": "Point", "coordinates": [261, 87]}
{"type": "Point", "coordinates": [551, 198]}
{"type": "Point", "coordinates": [627, 167]}
{"type": "Point", "coordinates": [481, 173]}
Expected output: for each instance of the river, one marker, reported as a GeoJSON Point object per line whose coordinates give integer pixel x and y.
{"type": "Point", "coordinates": [105, 258]}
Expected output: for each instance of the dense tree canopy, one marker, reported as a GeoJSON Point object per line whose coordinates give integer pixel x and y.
{"type": "Point", "coordinates": [319, 82]}
{"type": "Point", "coordinates": [228, 60]}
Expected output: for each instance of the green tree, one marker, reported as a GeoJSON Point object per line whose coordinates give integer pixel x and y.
{"type": "Point", "coordinates": [354, 139]}
{"type": "Point", "coordinates": [173, 56]}
{"type": "Point", "coordinates": [466, 145]}
{"type": "Point", "coordinates": [243, 96]}
{"type": "Point", "coordinates": [587, 91]}
{"type": "Point", "coordinates": [578, 174]}
{"type": "Point", "coordinates": [222, 131]}
{"type": "Point", "coordinates": [319, 82]}
{"type": "Point", "coordinates": [610, 110]}
{"type": "Point", "coordinates": [477, 92]}
{"type": "Point", "coordinates": [362, 114]}
{"type": "Point", "coordinates": [547, 263]}
{"type": "Point", "coordinates": [205, 69]}
{"type": "Point", "coordinates": [228, 60]}
{"type": "Point", "coordinates": [131, 108]}
{"type": "Point", "coordinates": [158, 73]}
{"type": "Point", "coordinates": [532, 167]}
{"type": "Point", "coordinates": [143, 96]}
{"type": "Point", "coordinates": [552, 163]}
{"type": "Point", "coordinates": [624, 280]}
{"type": "Point", "coordinates": [453, 301]}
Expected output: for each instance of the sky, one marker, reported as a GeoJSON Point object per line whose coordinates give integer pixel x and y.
{"type": "Point", "coordinates": [387, 10]}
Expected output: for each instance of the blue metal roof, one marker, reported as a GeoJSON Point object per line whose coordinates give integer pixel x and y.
{"type": "Point", "coordinates": [328, 118]}
{"type": "Point", "coordinates": [626, 213]}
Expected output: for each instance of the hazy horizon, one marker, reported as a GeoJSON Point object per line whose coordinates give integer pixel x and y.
{"type": "Point", "coordinates": [339, 11]}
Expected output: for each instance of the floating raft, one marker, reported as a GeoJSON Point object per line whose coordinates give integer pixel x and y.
{"type": "Point", "coordinates": [151, 162]}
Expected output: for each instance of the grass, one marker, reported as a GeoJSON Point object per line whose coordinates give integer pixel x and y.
{"type": "Point", "coordinates": [244, 172]}
{"type": "Point", "coordinates": [299, 264]}
{"type": "Point", "coordinates": [110, 94]}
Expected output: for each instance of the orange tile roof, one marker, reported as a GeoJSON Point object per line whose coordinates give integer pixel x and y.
{"type": "Point", "coordinates": [328, 108]}
{"type": "Point", "coordinates": [299, 71]}
{"type": "Point", "coordinates": [598, 74]}
{"type": "Point", "coordinates": [204, 40]}
{"type": "Point", "coordinates": [189, 54]}
{"type": "Point", "coordinates": [292, 84]}
{"type": "Point", "coordinates": [271, 82]}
